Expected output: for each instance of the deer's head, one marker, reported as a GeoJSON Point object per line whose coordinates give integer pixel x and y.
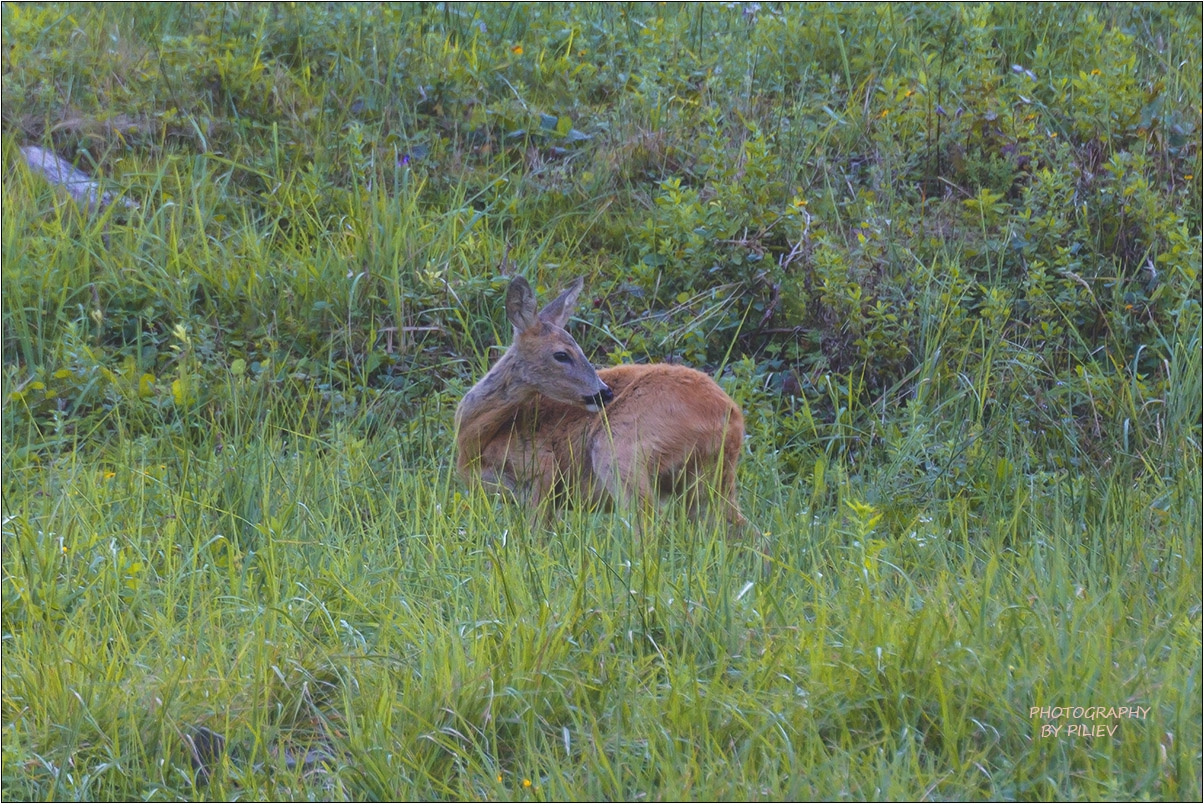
{"type": "Point", "coordinates": [545, 357]}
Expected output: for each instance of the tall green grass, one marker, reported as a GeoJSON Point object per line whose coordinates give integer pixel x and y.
{"type": "Point", "coordinates": [236, 562]}
{"type": "Point", "coordinates": [315, 594]}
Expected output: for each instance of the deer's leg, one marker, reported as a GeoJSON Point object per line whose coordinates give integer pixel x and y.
{"type": "Point", "coordinates": [731, 506]}
{"type": "Point", "coordinates": [620, 470]}
{"type": "Point", "coordinates": [541, 499]}
{"type": "Point", "coordinates": [708, 483]}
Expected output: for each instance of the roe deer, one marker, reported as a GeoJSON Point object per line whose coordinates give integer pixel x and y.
{"type": "Point", "coordinates": [543, 422]}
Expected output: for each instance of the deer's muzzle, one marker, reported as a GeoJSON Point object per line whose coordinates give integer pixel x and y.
{"type": "Point", "coordinates": [594, 403]}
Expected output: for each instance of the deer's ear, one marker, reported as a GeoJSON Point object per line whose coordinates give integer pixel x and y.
{"type": "Point", "coordinates": [520, 305]}
{"type": "Point", "coordinates": [558, 310]}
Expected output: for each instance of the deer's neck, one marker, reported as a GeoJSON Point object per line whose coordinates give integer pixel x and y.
{"type": "Point", "coordinates": [489, 406]}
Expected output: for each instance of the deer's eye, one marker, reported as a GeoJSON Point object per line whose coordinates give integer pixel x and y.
{"type": "Point", "coordinates": [562, 357]}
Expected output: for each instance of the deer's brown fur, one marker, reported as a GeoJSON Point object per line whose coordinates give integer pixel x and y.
{"type": "Point", "coordinates": [543, 421]}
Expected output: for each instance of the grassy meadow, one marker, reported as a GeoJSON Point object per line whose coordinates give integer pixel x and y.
{"type": "Point", "coordinates": [947, 258]}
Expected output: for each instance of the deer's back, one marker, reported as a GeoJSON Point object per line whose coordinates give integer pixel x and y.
{"type": "Point", "coordinates": [669, 409]}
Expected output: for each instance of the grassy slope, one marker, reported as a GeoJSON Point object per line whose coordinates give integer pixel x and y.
{"type": "Point", "coordinates": [227, 502]}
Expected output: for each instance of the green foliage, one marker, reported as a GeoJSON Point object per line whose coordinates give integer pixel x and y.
{"type": "Point", "coordinates": [946, 258]}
